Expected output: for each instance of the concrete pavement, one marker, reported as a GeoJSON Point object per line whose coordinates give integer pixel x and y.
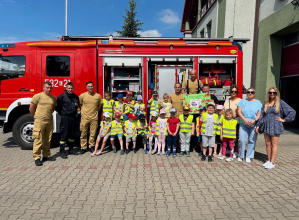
{"type": "Point", "coordinates": [139, 186]}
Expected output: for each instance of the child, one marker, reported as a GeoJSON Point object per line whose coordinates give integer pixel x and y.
{"type": "Point", "coordinates": [119, 105]}
{"type": "Point", "coordinates": [130, 127]}
{"type": "Point", "coordinates": [154, 103]}
{"type": "Point", "coordinates": [129, 107]}
{"type": "Point", "coordinates": [186, 130]}
{"type": "Point", "coordinates": [108, 104]}
{"type": "Point", "coordinates": [201, 111]}
{"type": "Point", "coordinates": [117, 131]}
{"type": "Point", "coordinates": [152, 135]}
{"type": "Point", "coordinates": [104, 134]}
{"type": "Point", "coordinates": [218, 140]}
{"type": "Point", "coordinates": [161, 131]}
{"type": "Point", "coordinates": [142, 130]}
{"type": "Point", "coordinates": [173, 125]}
{"type": "Point", "coordinates": [166, 104]}
{"type": "Point", "coordinates": [228, 133]}
{"type": "Point", "coordinates": [208, 131]}
{"type": "Point", "coordinates": [139, 106]}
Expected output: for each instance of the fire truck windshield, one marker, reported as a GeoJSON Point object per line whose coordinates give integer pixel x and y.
{"type": "Point", "coordinates": [12, 67]}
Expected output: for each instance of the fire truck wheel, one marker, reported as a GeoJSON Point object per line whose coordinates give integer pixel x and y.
{"type": "Point", "coordinates": [22, 132]}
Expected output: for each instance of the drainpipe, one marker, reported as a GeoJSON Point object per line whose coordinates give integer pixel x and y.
{"type": "Point", "coordinates": [255, 43]}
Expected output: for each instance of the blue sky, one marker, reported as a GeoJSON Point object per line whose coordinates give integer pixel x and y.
{"type": "Point", "coordinates": [27, 20]}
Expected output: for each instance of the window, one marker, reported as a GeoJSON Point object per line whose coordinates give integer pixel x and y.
{"type": "Point", "coordinates": [209, 29]}
{"type": "Point", "coordinates": [58, 66]}
{"type": "Point", "coordinates": [12, 67]}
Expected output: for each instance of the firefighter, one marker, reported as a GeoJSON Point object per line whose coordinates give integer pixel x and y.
{"type": "Point", "coordinates": [67, 106]}
{"type": "Point", "coordinates": [41, 108]}
{"type": "Point", "coordinates": [192, 85]}
{"type": "Point", "coordinates": [90, 103]}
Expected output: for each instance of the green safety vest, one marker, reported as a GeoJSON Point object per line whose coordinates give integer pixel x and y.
{"type": "Point", "coordinates": [128, 108]}
{"type": "Point", "coordinates": [134, 124]}
{"type": "Point", "coordinates": [203, 126]}
{"type": "Point", "coordinates": [229, 128]}
{"type": "Point", "coordinates": [143, 130]}
{"type": "Point", "coordinates": [116, 129]}
{"type": "Point", "coordinates": [186, 126]}
{"type": "Point", "coordinates": [109, 107]}
{"type": "Point", "coordinates": [153, 107]}
{"type": "Point", "coordinates": [105, 127]}
{"type": "Point", "coordinates": [157, 127]}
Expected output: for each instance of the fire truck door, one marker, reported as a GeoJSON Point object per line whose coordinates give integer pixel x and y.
{"type": "Point", "coordinates": [14, 76]}
{"type": "Point", "coordinates": [59, 69]}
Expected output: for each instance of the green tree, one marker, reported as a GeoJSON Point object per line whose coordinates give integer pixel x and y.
{"type": "Point", "coordinates": [131, 25]}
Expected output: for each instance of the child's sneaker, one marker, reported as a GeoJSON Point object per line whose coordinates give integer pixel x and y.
{"type": "Point", "coordinates": [203, 157]}
{"type": "Point", "coordinates": [122, 152]}
{"type": "Point", "coordinates": [266, 163]}
{"type": "Point", "coordinates": [248, 160]}
{"type": "Point", "coordinates": [127, 151]}
{"type": "Point", "coordinates": [240, 159]}
{"type": "Point", "coordinates": [98, 153]}
{"type": "Point", "coordinates": [135, 150]}
{"type": "Point", "coordinates": [222, 157]}
{"type": "Point", "coordinates": [94, 154]}
{"type": "Point", "coordinates": [187, 154]}
{"type": "Point", "coordinates": [270, 166]}
{"type": "Point", "coordinates": [229, 159]}
{"type": "Point", "coordinates": [158, 153]}
{"type": "Point", "coordinates": [200, 154]}
{"type": "Point", "coordinates": [174, 154]}
{"type": "Point", "coordinates": [181, 154]}
{"type": "Point", "coordinates": [145, 151]}
{"type": "Point", "coordinates": [114, 150]}
{"type": "Point", "coordinates": [168, 153]}
{"type": "Point", "coordinates": [210, 159]}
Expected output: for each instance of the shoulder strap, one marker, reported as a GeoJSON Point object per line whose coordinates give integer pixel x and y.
{"type": "Point", "coordinates": [187, 87]}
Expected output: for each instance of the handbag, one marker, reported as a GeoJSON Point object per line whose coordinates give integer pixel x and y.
{"type": "Point", "coordinates": [262, 126]}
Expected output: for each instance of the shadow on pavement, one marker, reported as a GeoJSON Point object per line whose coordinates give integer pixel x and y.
{"type": "Point", "coordinates": [10, 143]}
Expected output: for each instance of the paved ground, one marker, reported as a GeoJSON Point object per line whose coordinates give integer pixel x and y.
{"type": "Point", "coordinates": [148, 187]}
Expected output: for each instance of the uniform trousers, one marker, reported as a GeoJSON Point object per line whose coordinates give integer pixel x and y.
{"type": "Point", "coordinates": [42, 135]}
{"type": "Point", "coordinates": [84, 125]}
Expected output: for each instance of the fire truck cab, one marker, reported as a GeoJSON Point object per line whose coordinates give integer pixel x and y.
{"type": "Point", "coordinates": [116, 65]}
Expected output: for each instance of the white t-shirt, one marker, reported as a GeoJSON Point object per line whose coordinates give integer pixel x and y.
{"type": "Point", "coordinates": [162, 125]}
{"type": "Point", "coordinates": [209, 125]}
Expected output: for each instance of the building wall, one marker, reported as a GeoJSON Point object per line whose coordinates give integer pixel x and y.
{"type": "Point", "coordinates": [272, 29]}
{"type": "Point", "coordinates": [239, 23]}
{"type": "Point", "coordinates": [210, 16]}
{"type": "Point", "coordinates": [268, 7]}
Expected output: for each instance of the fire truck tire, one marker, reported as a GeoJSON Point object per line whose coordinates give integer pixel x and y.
{"type": "Point", "coordinates": [22, 132]}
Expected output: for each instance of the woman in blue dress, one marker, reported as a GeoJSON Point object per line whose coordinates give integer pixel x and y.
{"type": "Point", "coordinates": [272, 109]}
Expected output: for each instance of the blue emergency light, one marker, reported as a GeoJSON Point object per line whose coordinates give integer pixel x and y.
{"type": "Point", "coordinates": [7, 45]}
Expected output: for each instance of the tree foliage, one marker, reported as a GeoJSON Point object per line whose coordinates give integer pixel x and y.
{"type": "Point", "coordinates": [131, 24]}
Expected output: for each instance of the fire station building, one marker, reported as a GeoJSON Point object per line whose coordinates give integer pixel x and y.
{"type": "Point", "coordinates": [271, 57]}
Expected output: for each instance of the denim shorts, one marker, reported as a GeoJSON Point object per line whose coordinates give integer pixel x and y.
{"type": "Point", "coordinates": [114, 136]}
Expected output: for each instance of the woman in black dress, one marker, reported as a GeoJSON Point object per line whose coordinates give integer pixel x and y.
{"type": "Point", "coordinates": [271, 115]}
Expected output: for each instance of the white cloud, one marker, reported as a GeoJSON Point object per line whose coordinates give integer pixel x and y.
{"type": "Point", "coordinates": [10, 39]}
{"type": "Point", "coordinates": [150, 33]}
{"type": "Point", "coordinates": [169, 17]}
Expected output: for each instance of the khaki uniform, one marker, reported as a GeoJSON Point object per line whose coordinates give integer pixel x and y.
{"type": "Point", "coordinates": [91, 105]}
{"type": "Point", "coordinates": [43, 124]}
{"type": "Point", "coordinates": [193, 86]}
{"type": "Point", "coordinates": [177, 103]}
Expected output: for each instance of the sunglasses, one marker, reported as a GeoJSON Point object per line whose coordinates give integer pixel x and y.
{"type": "Point", "coordinates": [272, 93]}
{"type": "Point", "coordinates": [250, 92]}
{"type": "Point", "coordinates": [236, 92]}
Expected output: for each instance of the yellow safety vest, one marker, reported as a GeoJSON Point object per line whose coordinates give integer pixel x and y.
{"type": "Point", "coordinates": [153, 107]}
{"type": "Point", "coordinates": [229, 128]}
{"type": "Point", "coordinates": [134, 124]}
{"type": "Point", "coordinates": [186, 126]}
{"type": "Point", "coordinates": [203, 126]}
{"type": "Point", "coordinates": [197, 126]}
{"type": "Point", "coordinates": [143, 130]}
{"type": "Point", "coordinates": [119, 107]}
{"type": "Point", "coordinates": [141, 105]}
{"type": "Point", "coordinates": [109, 107]}
{"type": "Point", "coordinates": [105, 127]}
{"type": "Point", "coordinates": [128, 108]}
{"type": "Point", "coordinates": [157, 127]}
{"type": "Point", "coordinates": [116, 129]}
{"type": "Point", "coordinates": [218, 132]}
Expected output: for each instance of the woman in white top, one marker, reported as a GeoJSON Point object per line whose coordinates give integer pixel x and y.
{"type": "Point", "coordinates": [232, 103]}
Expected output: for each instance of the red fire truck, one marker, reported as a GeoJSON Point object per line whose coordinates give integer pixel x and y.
{"type": "Point", "coordinates": [113, 64]}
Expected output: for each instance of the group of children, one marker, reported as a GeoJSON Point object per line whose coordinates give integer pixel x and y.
{"type": "Point", "coordinates": [213, 127]}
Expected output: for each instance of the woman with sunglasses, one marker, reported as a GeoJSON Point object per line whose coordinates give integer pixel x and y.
{"type": "Point", "coordinates": [232, 103]}
{"type": "Point", "coordinates": [249, 111]}
{"type": "Point", "coordinates": [272, 109]}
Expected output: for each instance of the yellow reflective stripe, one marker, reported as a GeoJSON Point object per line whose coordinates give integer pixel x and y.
{"type": "Point", "coordinates": [227, 129]}
{"type": "Point", "coordinates": [62, 142]}
{"type": "Point", "coordinates": [71, 140]}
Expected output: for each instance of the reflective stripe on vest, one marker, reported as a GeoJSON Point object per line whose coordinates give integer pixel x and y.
{"type": "Point", "coordinates": [203, 126]}
{"type": "Point", "coordinates": [186, 126]}
{"type": "Point", "coordinates": [109, 107]}
{"type": "Point", "coordinates": [133, 127]}
{"type": "Point", "coordinates": [142, 130]}
{"type": "Point", "coordinates": [153, 107]}
{"type": "Point", "coordinates": [116, 129]}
